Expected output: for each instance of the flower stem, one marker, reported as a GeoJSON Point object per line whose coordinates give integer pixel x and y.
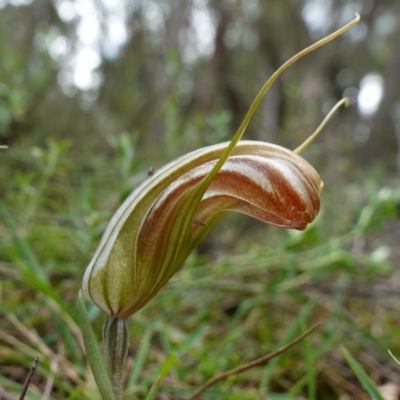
{"type": "Point", "coordinates": [115, 337]}
{"type": "Point", "coordinates": [306, 143]}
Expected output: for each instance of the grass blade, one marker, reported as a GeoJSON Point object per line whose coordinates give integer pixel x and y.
{"type": "Point", "coordinates": [140, 357]}
{"type": "Point", "coordinates": [394, 358]}
{"type": "Point", "coordinates": [289, 335]}
{"type": "Point", "coordinates": [362, 376]}
{"type": "Point", "coordinates": [154, 390]}
{"type": "Point", "coordinates": [93, 354]}
{"type": "Point", "coordinates": [310, 369]}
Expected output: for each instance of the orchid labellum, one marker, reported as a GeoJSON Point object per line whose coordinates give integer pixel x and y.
{"type": "Point", "coordinates": [160, 223]}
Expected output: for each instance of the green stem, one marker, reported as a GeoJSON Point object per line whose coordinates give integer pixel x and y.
{"type": "Point", "coordinates": [307, 142]}
{"type": "Point", "coordinates": [115, 337]}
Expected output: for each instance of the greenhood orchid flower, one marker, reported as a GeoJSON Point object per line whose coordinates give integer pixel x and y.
{"type": "Point", "coordinates": [161, 222]}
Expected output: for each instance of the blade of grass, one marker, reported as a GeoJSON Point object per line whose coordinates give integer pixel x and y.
{"type": "Point", "coordinates": [290, 333]}
{"type": "Point", "coordinates": [362, 376]}
{"type": "Point", "coordinates": [394, 358]}
{"type": "Point", "coordinates": [140, 356]}
{"type": "Point", "coordinates": [319, 352]}
{"type": "Point", "coordinates": [310, 369]}
{"type": "Point", "coordinates": [152, 395]}
{"type": "Point", "coordinates": [93, 354]}
{"type": "Point", "coordinates": [298, 386]}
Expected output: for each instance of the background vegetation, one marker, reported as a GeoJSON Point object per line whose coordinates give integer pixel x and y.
{"type": "Point", "coordinates": [95, 92]}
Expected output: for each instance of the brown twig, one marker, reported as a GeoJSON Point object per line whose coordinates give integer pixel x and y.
{"type": "Point", "coordinates": [252, 364]}
{"type": "Point", "coordinates": [29, 378]}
